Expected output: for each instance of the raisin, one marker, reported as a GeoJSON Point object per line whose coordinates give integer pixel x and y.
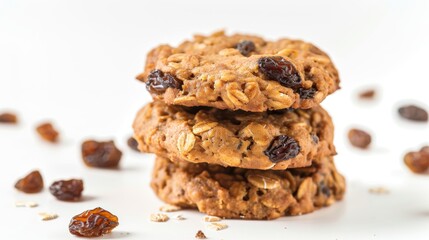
{"type": "Point", "coordinates": [279, 69]}
{"type": "Point", "coordinates": [315, 138]}
{"type": "Point", "coordinates": [246, 47]}
{"type": "Point", "coordinates": [413, 113]}
{"type": "Point", "coordinates": [158, 82]}
{"type": "Point", "coordinates": [368, 94]}
{"type": "Point", "coordinates": [133, 144]}
{"type": "Point", "coordinates": [200, 235]}
{"type": "Point", "coordinates": [307, 93]}
{"type": "Point", "coordinates": [93, 223]}
{"type": "Point", "coordinates": [47, 132]}
{"type": "Point", "coordinates": [9, 118]}
{"type": "Point", "coordinates": [417, 162]}
{"type": "Point", "coordinates": [32, 183]}
{"type": "Point", "coordinates": [101, 154]}
{"type": "Point", "coordinates": [325, 190]}
{"type": "Point", "coordinates": [282, 148]}
{"type": "Point", "coordinates": [359, 138]}
{"type": "Point", "coordinates": [67, 190]}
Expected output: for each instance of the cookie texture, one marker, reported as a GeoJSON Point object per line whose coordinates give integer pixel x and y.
{"type": "Point", "coordinates": [269, 140]}
{"type": "Point", "coordinates": [240, 72]}
{"type": "Point", "coordinates": [247, 194]}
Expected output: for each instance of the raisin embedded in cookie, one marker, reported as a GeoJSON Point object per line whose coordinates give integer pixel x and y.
{"type": "Point", "coordinates": [240, 72]}
{"type": "Point", "coordinates": [268, 140]}
{"type": "Point", "coordinates": [247, 194]}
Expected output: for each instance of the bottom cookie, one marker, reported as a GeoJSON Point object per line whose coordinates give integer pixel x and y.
{"type": "Point", "coordinates": [247, 194]}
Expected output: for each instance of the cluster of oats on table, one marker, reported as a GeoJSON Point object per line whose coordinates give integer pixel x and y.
{"type": "Point", "coordinates": [237, 127]}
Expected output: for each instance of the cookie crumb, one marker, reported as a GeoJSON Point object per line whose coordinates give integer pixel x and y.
{"type": "Point", "coordinates": [217, 226]}
{"type": "Point", "coordinates": [47, 216]}
{"type": "Point", "coordinates": [159, 217]}
{"type": "Point", "coordinates": [8, 118]}
{"type": "Point", "coordinates": [200, 235]}
{"type": "Point", "coordinates": [211, 219]}
{"type": "Point", "coordinates": [379, 190]}
{"type": "Point", "coordinates": [367, 94]}
{"type": "Point", "coordinates": [28, 204]}
{"type": "Point", "coordinates": [179, 217]}
{"type": "Point", "coordinates": [359, 138]}
{"type": "Point", "coordinates": [169, 208]}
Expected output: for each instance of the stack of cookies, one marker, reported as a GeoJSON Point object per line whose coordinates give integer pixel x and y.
{"type": "Point", "coordinates": [237, 127]}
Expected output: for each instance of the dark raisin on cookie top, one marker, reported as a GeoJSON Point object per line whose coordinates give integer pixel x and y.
{"type": "Point", "coordinates": [246, 47]}
{"type": "Point", "coordinates": [158, 82]}
{"type": "Point", "coordinates": [279, 69]}
{"type": "Point", "coordinates": [282, 148]}
{"type": "Point", "coordinates": [307, 93]}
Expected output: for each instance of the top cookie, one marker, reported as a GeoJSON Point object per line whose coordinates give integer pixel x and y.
{"type": "Point", "coordinates": [240, 72]}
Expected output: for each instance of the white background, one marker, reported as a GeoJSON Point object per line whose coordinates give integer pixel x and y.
{"type": "Point", "coordinates": [74, 63]}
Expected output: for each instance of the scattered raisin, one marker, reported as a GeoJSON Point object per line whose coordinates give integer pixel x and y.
{"type": "Point", "coordinates": [418, 162]}
{"type": "Point", "coordinates": [67, 190]}
{"type": "Point", "coordinates": [133, 144]}
{"type": "Point", "coordinates": [101, 154]}
{"type": "Point", "coordinates": [200, 235]}
{"type": "Point", "coordinates": [307, 93]}
{"type": "Point", "coordinates": [47, 132]}
{"type": "Point", "coordinates": [359, 138]}
{"type": "Point", "coordinates": [93, 223]}
{"type": "Point", "coordinates": [279, 69]}
{"type": "Point", "coordinates": [282, 148]}
{"type": "Point", "coordinates": [9, 118]}
{"type": "Point", "coordinates": [413, 113]}
{"type": "Point", "coordinates": [159, 81]}
{"type": "Point", "coordinates": [368, 94]}
{"type": "Point", "coordinates": [32, 183]}
{"type": "Point", "coordinates": [246, 47]}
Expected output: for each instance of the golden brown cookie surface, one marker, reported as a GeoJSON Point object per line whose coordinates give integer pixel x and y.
{"type": "Point", "coordinates": [269, 140]}
{"type": "Point", "coordinates": [247, 194]}
{"type": "Point", "coordinates": [240, 72]}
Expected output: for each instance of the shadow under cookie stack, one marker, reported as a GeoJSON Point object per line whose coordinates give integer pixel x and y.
{"type": "Point", "coordinates": [237, 127]}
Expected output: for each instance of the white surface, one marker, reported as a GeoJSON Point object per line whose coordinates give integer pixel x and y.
{"type": "Point", "coordinates": [73, 62]}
